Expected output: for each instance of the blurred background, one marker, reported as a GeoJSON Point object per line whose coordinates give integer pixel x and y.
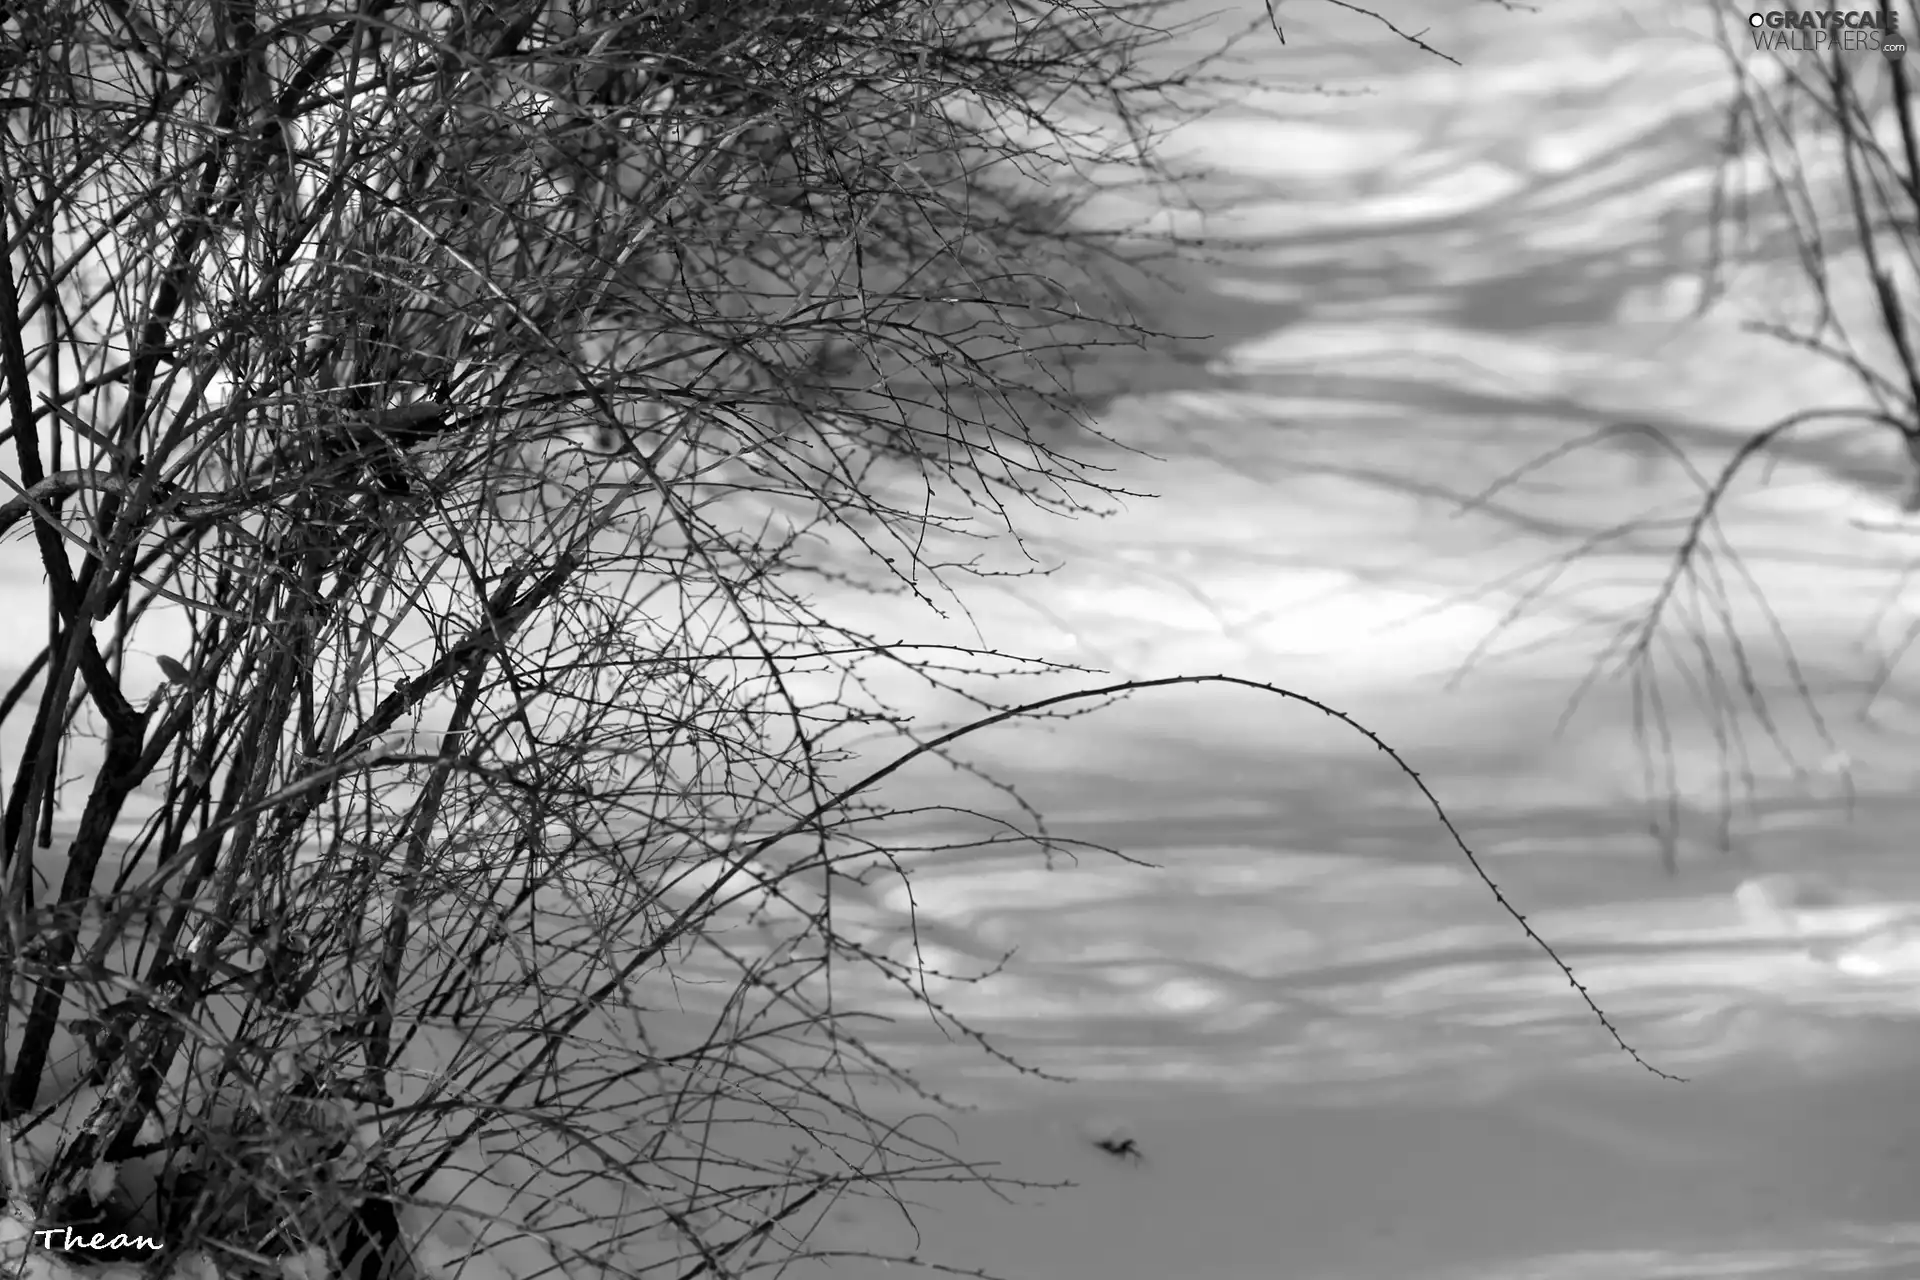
{"type": "Point", "coordinates": [1474, 344]}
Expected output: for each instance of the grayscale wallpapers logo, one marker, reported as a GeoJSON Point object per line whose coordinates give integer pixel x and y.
{"type": "Point", "coordinates": [1820, 30]}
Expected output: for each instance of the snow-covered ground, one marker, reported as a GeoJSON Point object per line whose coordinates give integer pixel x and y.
{"type": "Point", "coordinates": [1338, 1056]}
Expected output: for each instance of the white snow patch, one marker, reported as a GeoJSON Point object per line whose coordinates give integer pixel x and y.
{"type": "Point", "coordinates": [1891, 950]}
{"type": "Point", "coordinates": [1291, 149]}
